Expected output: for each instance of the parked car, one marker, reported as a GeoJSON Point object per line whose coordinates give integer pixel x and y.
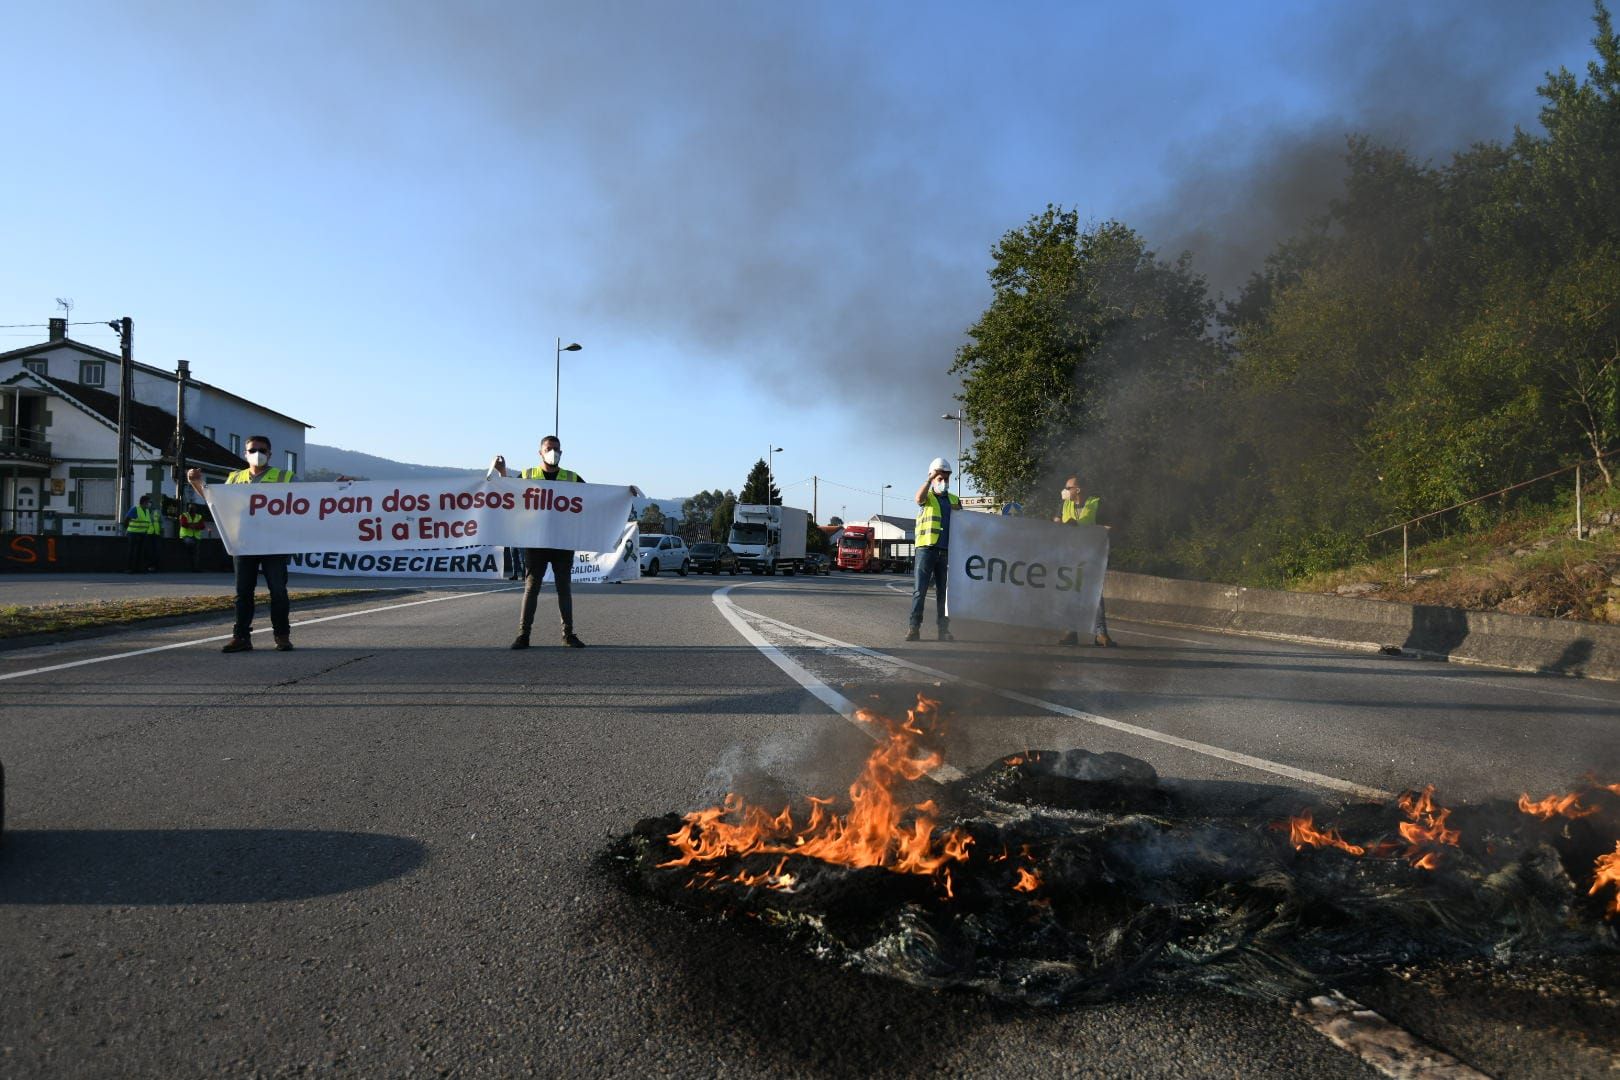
{"type": "Point", "coordinates": [817, 563]}
{"type": "Point", "coordinates": [710, 558]}
{"type": "Point", "coordinates": [660, 551]}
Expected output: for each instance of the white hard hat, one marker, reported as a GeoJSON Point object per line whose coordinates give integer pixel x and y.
{"type": "Point", "coordinates": [939, 464]}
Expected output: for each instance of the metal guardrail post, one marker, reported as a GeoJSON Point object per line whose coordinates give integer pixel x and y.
{"type": "Point", "coordinates": [1580, 531]}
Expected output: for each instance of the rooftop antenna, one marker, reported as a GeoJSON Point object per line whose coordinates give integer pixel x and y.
{"type": "Point", "coordinates": [67, 313]}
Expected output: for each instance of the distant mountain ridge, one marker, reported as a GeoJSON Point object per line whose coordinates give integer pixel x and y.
{"type": "Point", "coordinates": [320, 459]}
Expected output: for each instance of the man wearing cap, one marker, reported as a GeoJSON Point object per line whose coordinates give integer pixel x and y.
{"type": "Point", "coordinates": [935, 504]}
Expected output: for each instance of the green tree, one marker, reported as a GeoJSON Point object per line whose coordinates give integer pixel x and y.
{"type": "Point", "coordinates": [652, 519]}
{"type": "Point", "coordinates": [754, 488]}
{"type": "Point", "coordinates": [701, 507]}
{"type": "Point", "coordinates": [720, 523]}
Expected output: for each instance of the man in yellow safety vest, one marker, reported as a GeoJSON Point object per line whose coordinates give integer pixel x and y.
{"type": "Point", "coordinates": [141, 525]}
{"type": "Point", "coordinates": [1079, 510]}
{"type": "Point", "coordinates": [935, 504]}
{"type": "Point", "coordinates": [535, 560]}
{"type": "Point", "coordinates": [249, 567]}
{"type": "Point", "coordinates": [190, 525]}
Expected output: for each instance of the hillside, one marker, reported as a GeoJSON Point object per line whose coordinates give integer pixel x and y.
{"type": "Point", "coordinates": [1528, 563]}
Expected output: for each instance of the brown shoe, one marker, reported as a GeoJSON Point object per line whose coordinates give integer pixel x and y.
{"type": "Point", "coordinates": [1103, 641]}
{"type": "Point", "coordinates": [283, 642]}
{"type": "Point", "coordinates": [238, 644]}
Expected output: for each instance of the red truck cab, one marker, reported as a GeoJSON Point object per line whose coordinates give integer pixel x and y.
{"type": "Point", "coordinates": [858, 549]}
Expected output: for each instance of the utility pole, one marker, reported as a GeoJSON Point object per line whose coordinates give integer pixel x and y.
{"type": "Point", "coordinates": [183, 376]}
{"type": "Point", "coordinates": [815, 499]}
{"type": "Point", "coordinates": [125, 328]}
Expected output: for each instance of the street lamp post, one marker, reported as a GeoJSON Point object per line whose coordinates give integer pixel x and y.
{"type": "Point", "coordinates": [556, 392]}
{"type": "Point", "coordinates": [770, 452]}
{"type": "Point", "coordinates": [957, 416]}
{"type": "Point", "coordinates": [881, 498]}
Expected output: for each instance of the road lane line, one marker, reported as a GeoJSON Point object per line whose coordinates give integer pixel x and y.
{"type": "Point", "coordinates": [735, 615]}
{"type": "Point", "coordinates": [1391, 1050]}
{"type": "Point", "coordinates": [829, 697]}
{"type": "Point", "coordinates": [226, 637]}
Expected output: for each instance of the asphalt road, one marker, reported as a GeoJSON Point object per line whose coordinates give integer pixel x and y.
{"type": "Point", "coordinates": [376, 854]}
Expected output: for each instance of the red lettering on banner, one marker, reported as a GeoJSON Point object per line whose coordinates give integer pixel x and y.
{"type": "Point", "coordinates": [295, 505]}
{"type": "Point", "coordinates": [429, 529]}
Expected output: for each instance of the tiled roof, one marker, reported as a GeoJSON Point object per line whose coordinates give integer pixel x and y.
{"type": "Point", "coordinates": [150, 424]}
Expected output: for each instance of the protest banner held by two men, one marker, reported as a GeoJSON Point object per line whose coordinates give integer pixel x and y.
{"type": "Point", "coordinates": [1026, 572]}
{"type": "Point", "coordinates": [385, 516]}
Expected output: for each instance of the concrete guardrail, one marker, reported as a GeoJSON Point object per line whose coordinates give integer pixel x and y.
{"type": "Point", "coordinates": [1519, 642]}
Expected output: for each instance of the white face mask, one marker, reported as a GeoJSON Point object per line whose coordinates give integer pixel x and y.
{"type": "Point", "coordinates": [941, 486]}
{"type": "Point", "coordinates": [1068, 496]}
{"type": "Point", "coordinates": [258, 458]}
{"type": "Point", "coordinates": [551, 456]}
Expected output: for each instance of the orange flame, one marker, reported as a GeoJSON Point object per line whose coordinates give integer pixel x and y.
{"type": "Point", "coordinates": [1556, 806]}
{"type": "Point", "coordinates": [1303, 833]}
{"type": "Point", "coordinates": [877, 831]}
{"type": "Point", "coordinates": [1028, 881]}
{"type": "Point", "coordinates": [1428, 826]}
{"type": "Point", "coordinates": [1606, 873]}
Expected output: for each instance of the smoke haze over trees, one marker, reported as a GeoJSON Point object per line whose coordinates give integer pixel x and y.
{"type": "Point", "coordinates": [1431, 332]}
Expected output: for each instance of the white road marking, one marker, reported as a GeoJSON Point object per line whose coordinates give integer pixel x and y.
{"type": "Point", "coordinates": [1391, 1050]}
{"type": "Point", "coordinates": [829, 697]}
{"type": "Point", "coordinates": [802, 676]}
{"type": "Point", "coordinates": [265, 630]}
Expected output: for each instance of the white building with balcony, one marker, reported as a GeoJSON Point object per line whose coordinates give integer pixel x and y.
{"type": "Point", "coordinates": [59, 434]}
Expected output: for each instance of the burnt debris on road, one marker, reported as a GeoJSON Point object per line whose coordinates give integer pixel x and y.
{"type": "Point", "coordinates": [1070, 876]}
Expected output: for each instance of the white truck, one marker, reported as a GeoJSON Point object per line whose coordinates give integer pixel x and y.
{"type": "Point", "coordinates": [769, 538]}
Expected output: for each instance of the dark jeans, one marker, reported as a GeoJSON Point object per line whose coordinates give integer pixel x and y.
{"type": "Point", "coordinates": [535, 561]}
{"type": "Point", "coordinates": [142, 552]}
{"type": "Point", "coordinates": [931, 564]}
{"type": "Point", "coordinates": [193, 550]}
{"type": "Point", "coordinates": [274, 568]}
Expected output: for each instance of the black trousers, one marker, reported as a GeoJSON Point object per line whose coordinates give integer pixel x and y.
{"type": "Point", "coordinates": [142, 552]}
{"type": "Point", "coordinates": [274, 568]}
{"type": "Point", "coordinates": [535, 561]}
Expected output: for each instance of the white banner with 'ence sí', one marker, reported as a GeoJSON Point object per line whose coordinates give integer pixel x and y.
{"type": "Point", "coordinates": [378, 515]}
{"type": "Point", "coordinates": [1025, 572]}
{"type": "Point", "coordinates": [616, 564]}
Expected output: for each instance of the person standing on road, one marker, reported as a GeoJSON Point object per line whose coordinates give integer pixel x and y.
{"type": "Point", "coordinates": [190, 525]}
{"type": "Point", "coordinates": [535, 560]}
{"type": "Point", "coordinates": [1079, 510]}
{"type": "Point", "coordinates": [141, 525]}
{"type": "Point", "coordinates": [935, 506]}
{"type": "Point", "coordinates": [249, 567]}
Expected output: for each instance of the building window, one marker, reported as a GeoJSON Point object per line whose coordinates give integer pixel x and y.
{"type": "Point", "coordinates": [96, 498]}
{"type": "Point", "coordinates": [292, 462]}
{"type": "Point", "coordinates": [38, 367]}
{"type": "Point", "coordinates": [236, 445]}
{"type": "Point", "coordinates": [92, 373]}
{"type": "Point", "coordinates": [208, 431]}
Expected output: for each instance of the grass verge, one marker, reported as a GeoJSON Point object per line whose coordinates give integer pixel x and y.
{"type": "Point", "coordinates": [22, 620]}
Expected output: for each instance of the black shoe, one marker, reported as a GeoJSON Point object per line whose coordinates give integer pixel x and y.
{"type": "Point", "coordinates": [571, 641]}
{"type": "Point", "coordinates": [913, 635]}
{"type": "Point", "coordinates": [283, 642]}
{"type": "Point", "coordinates": [945, 635]}
{"type": "Point", "coordinates": [521, 641]}
{"type": "Point", "coordinates": [238, 644]}
{"type": "Point", "coordinates": [1071, 638]}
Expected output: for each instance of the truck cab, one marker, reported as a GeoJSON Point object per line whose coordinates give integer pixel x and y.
{"type": "Point", "coordinates": [857, 549]}
{"type": "Point", "coordinates": [768, 538]}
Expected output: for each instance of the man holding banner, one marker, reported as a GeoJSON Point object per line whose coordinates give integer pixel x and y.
{"type": "Point", "coordinates": [249, 566]}
{"type": "Point", "coordinates": [535, 560]}
{"type": "Point", "coordinates": [1079, 510]}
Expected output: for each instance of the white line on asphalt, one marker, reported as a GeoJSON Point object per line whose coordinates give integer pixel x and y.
{"type": "Point", "coordinates": [829, 697]}
{"type": "Point", "coordinates": [734, 616]}
{"type": "Point", "coordinates": [264, 630]}
{"type": "Point", "coordinates": [1391, 1050]}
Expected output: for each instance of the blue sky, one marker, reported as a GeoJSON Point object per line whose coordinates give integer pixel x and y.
{"type": "Point", "coordinates": [767, 224]}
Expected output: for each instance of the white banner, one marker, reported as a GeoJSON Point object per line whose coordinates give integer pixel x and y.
{"type": "Point", "coordinates": [590, 567]}
{"type": "Point", "coordinates": [376, 515]}
{"type": "Point", "coordinates": [1026, 572]}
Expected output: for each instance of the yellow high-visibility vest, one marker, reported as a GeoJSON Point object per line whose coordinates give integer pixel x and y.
{"type": "Point", "coordinates": [1086, 515]}
{"type": "Point", "coordinates": [191, 526]}
{"type": "Point", "coordinates": [271, 476]}
{"type": "Point", "coordinates": [929, 521]}
{"type": "Point", "coordinates": [144, 523]}
{"type": "Point", "coordinates": [538, 472]}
